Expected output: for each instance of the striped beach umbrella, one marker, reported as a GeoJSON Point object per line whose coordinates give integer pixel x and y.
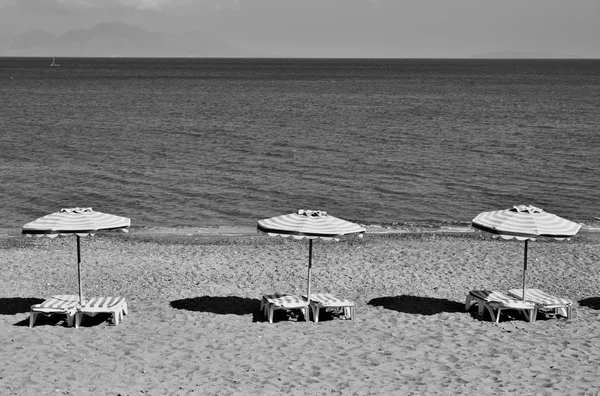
{"type": "Point", "coordinates": [75, 221]}
{"type": "Point", "coordinates": [525, 222]}
{"type": "Point", "coordinates": [309, 224]}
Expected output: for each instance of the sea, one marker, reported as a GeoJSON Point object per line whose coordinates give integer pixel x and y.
{"type": "Point", "coordinates": [392, 143]}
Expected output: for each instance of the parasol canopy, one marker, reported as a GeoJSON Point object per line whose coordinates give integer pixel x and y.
{"type": "Point", "coordinates": [79, 222]}
{"type": "Point", "coordinates": [309, 224]}
{"type": "Point", "coordinates": [525, 222]}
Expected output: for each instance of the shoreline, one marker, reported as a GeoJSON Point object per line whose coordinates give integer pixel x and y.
{"type": "Point", "coordinates": [240, 231]}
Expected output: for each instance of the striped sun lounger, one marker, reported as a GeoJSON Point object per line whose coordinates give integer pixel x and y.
{"type": "Point", "coordinates": [322, 300]}
{"type": "Point", "coordinates": [545, 301]}
{"type": "Point", "coordinates": [117, 306]}
{"type": "Point", "coordinates": [62, 304]}
{"type": "Point", "coordinates": [272, 302]}
{"type": "Point", "coordinates": [493, 300]}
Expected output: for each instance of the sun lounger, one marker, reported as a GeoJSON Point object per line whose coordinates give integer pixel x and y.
{"type": "Point", "coordinates": [321, 300]}
{"type": "Point", "coordinates": [272, 302]}
{"type": "Point", "coordinates": [62, 304]}
{"type": "Point", "coordinates": [493, 300]}
{"type": "Point", "coordinates": [117, 306]}
{"type": "Point", "coordinates": [544, 301]}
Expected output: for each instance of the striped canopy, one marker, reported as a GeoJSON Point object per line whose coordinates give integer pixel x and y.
{"type": "Point", "coordinates": [309, 224]}
{"type": "Point", "coordinates": [79, 221]}
{"type": "Point", "coordinates": [525, 222]}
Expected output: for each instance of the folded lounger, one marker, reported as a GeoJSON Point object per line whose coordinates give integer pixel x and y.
{"type": "Point", "coordinates": [117, 306]}
{"type": "Point", "coordinates": [62, 304]}
{"type": "Point", "coordinates": [322, 300]}
{"type": "Point", "coordinates": [272, 302]}
{"type": "Point", "coordinates": [544, 301]}
{"type": "Point", "coordinates": [499, 301]}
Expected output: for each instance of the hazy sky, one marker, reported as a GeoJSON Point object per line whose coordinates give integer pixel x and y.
{"type": "Point", "coordinates": [349, 28]}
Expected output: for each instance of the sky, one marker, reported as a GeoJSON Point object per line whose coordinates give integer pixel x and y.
{"type": "Point", "coordinates": [339, 28]}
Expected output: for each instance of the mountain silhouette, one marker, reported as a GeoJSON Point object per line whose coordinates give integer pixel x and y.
{"type": "Point", "coordinates": [117, 39]}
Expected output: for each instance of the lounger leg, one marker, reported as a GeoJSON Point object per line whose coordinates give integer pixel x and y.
{"type": "Point", "coordinates": [305, 313]}
{"type": "Point", "coordinates": [315, 311]}
{"type": "Point", "coordinates": [78, 319]}
{"type": "Point", "coordinates": [125, 310]}
{"type": "Point", "coordinates": [32, 318]}
{"type": "Point", "coordinates": [270, 314]}
{"type": "Point", "coordinates": [468, 302]}
{"type": "Point", "coordinates": [480, 308]}
{"type": "Point", "coordinates": [70, 319]}
{"type": "Point", "coordinates": [493, 316]}
{"type": "Point", "coordinates": [348, 312]}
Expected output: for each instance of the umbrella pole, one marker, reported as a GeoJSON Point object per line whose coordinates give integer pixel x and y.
{"type": "Point", "coordinates": [79, 271]}
{"type": "Point", "coordinates": [310, 243]}
{"type": "Point", "coordinates": [524, 267]}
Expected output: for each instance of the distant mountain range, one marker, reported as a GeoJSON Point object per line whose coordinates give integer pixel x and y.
{"type": "Point", "coordinates": [117, 39]}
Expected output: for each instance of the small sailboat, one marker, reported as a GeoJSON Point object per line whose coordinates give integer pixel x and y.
{"type": "Point", "coordinates": [54, 64]}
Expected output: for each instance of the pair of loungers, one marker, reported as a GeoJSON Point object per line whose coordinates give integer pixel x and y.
{"type": "Point", "coordinates": [69, 305]}
{"type": "Point", "coordinates": [273, 302]}
{"type": "Point", "coordinates": [535, 300]}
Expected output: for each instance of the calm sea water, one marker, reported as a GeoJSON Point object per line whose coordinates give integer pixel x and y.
{"type": "Point", "coordinates": [209, 142]}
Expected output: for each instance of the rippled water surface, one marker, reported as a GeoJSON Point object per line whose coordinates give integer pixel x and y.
{"type": "Point", "coordinates": [208, 142]}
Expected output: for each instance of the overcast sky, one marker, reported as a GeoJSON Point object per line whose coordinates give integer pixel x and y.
{"type": "Point", "coordinates": [339, 28]}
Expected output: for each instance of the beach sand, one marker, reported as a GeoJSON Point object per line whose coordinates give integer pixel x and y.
{"type": "Point", "coordinates": [195, 327]}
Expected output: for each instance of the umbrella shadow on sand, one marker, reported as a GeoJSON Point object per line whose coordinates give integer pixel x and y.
{"type": "Point", "coordinates": [418, 305]}
{"type": "Point", "coordinates": [590, 302]}
{"type": "Point", "coordinates": [230, 305]}
{"type": "Point", "coordinates": [17, 305]}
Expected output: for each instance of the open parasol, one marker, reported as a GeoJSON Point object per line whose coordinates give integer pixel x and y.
{"type": "Point", "coordinates": [309, 224]}
{"type": "Point", "coordinates": [79, 222]}
{"type": "Point", "coordinates": [525, 222]}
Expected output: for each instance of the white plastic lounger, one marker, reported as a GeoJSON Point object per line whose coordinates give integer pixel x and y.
{"type": "Point", "coordinates": [493, 300]}
{"type": "Point", "coordinates": [117, 306]}
{"type": "Point", "coordinates": [272, 302]}
{"type": "Point", "coordinates": [62, 304]}
{"type": "Point", "coordinates": [545, 301]}
{"type": "Point", "coordinates": [322, 300]}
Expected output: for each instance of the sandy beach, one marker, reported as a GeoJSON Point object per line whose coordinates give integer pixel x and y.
{"type": "Point", "coordinates": [195, 327]}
